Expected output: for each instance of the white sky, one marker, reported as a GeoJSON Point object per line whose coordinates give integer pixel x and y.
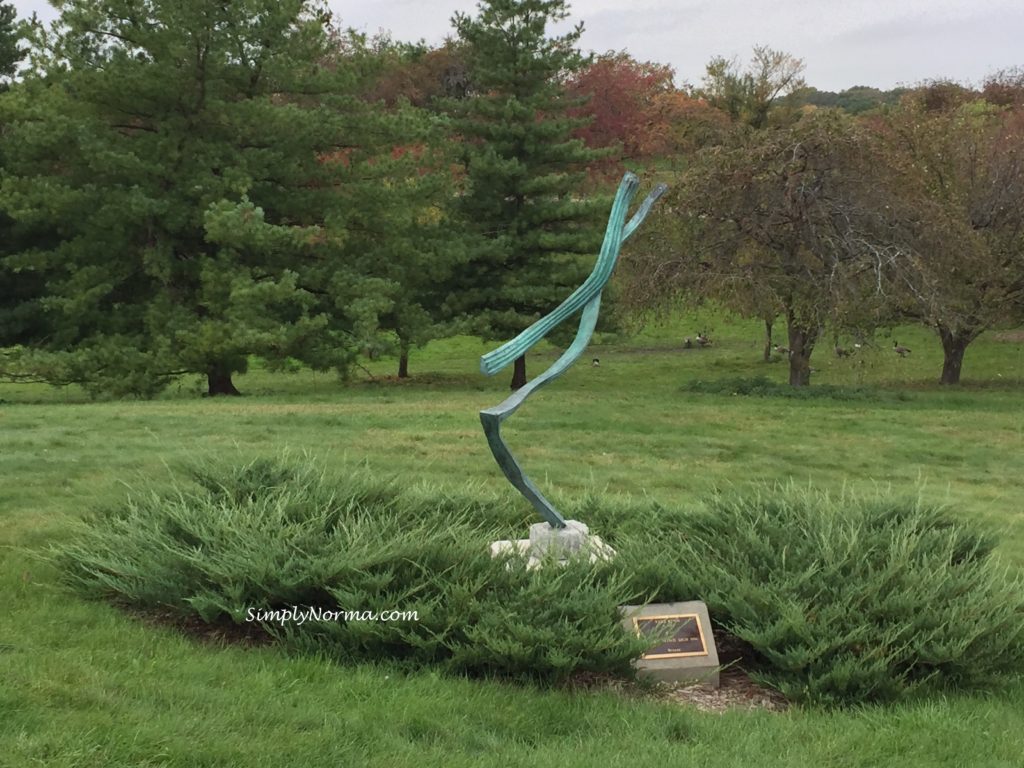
{"type": "Point", "coordinates": [843, 42]}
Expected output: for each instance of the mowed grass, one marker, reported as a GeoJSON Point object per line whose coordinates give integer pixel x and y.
{"type": "Point", "coordinates": [87, 685]}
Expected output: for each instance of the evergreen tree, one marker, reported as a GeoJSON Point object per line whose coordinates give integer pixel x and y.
{"type": "Point", "coordinates": [427, 242]}
{"type": "Point", "coordinates": [19, 309]}
{"type": "Point", "coordinates": [212, 191]}
{"type": "Point", "coordinates": [524, 169]}
{"type": "Point", "coordinates": [10, 53]}
{"type": "Point", "coordinates": [428, 250]}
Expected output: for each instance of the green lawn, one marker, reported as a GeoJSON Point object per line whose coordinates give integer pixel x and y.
{"type": "Point", "coordinates": [85, 685]}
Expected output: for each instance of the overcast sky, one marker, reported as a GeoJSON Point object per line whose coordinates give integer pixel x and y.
{"type": "Point", "coordinates": [843, 42]}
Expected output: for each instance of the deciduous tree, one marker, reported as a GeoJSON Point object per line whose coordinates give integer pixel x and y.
{"type": "Point", "coordinates": [963, 158]}
{"type": "Point", "coordinates": [797, 218]}
{"type": "Point", "coordinates": [749, 95]}
{"type": "Point", "coordinates": [1005, 88]}
{"type": "Point", "coordinates": [635, 109]}
{"type": "Point", "coordinates": [422, 76]}
{"type": "Point", "coordinates": [617, 95]}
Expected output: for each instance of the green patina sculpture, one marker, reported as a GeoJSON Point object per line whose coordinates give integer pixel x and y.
{"type": "Point", "coordinates": [587, 297]}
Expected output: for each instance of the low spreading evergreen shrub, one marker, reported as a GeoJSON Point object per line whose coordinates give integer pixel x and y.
{"type": "Point", "coordinates": [238, 543]}
{"type": "Point", "coordinates": [843, 600]}
{"type": "Point", "coordinates": [839, 601]}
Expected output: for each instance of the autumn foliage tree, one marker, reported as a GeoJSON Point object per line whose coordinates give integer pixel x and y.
{"type": "Point", "coordinates": [617, 95]}
{"type": "Point", "coordinates": [1005, 88]}
{"type": "Point", "coordinates": [412, 73]}
{"type": "Point", "coordinates": [635, 109]}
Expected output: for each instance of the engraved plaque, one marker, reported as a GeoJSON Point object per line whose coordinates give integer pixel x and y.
{"type": "Point", "coordinates": [679, 635]}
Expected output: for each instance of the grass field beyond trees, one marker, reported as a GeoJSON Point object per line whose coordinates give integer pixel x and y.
{"type": "Point", "coordinates": [86, 684]}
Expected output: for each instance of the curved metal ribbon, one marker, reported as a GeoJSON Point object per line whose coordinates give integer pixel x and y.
{"type": "Point", "coordinates": [587, 297]}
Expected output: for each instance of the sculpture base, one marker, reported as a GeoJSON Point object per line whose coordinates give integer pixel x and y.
{"type": "Point", "coordinates": [557, 545]}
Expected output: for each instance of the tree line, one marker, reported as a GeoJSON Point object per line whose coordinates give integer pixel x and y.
{"type": "Point", "coordinates": [188, 185]}
{"type": "Point", "coordinates": [846, 223]}
{"type": "Point", "coordinates": [185, 186]}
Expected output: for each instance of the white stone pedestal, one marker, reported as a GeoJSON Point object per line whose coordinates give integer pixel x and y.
{"type": "Point", "coordinates": [557, 544]}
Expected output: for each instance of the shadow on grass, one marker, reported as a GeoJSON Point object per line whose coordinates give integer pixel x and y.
{"type": "Point", "coordinates": [761, 386]}
{"type": "Point", "coordinates": [430, 380]}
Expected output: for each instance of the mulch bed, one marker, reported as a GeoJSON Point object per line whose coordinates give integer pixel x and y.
{"type": "Point", "coordinates": [736, 689]}
{"type": "Point", "coordinates": [219, 633]}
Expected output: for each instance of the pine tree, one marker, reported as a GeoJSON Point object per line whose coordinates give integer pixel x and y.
{"type": "Point", "coordinates": [427, 242]}
{"type": "Point", "coordinates": [213, 188]}
{"type": "Point", "coordinates": [524, 169]}
{"type": "Point", "coordinates": [10, 53]}
{"type": "Point", "coordinates": [19, 309]}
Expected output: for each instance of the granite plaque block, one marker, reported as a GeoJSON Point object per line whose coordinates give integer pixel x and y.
{"type": "Point", "coordinates": [682, 645]}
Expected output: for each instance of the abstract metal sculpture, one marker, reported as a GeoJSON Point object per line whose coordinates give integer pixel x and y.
{"type": "Point", "coordinates": [587, 297]}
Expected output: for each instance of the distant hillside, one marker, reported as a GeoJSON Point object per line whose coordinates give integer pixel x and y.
{"type": "Point", "coordinates": [859, 98]}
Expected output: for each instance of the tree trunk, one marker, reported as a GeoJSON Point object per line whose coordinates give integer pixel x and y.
{"type": "Point", "coordinates": [218, 381]}
{"type": "Point", "coordinates": [768, 340]}
{"type": "Point", "coordinates": [519, 373]}
{"type": "Point", "coordinates": [954, 344]}
{"type": "Point", "coordinates": [801, 344]}
{"type": "Point", "coordinates": [403, 361]}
